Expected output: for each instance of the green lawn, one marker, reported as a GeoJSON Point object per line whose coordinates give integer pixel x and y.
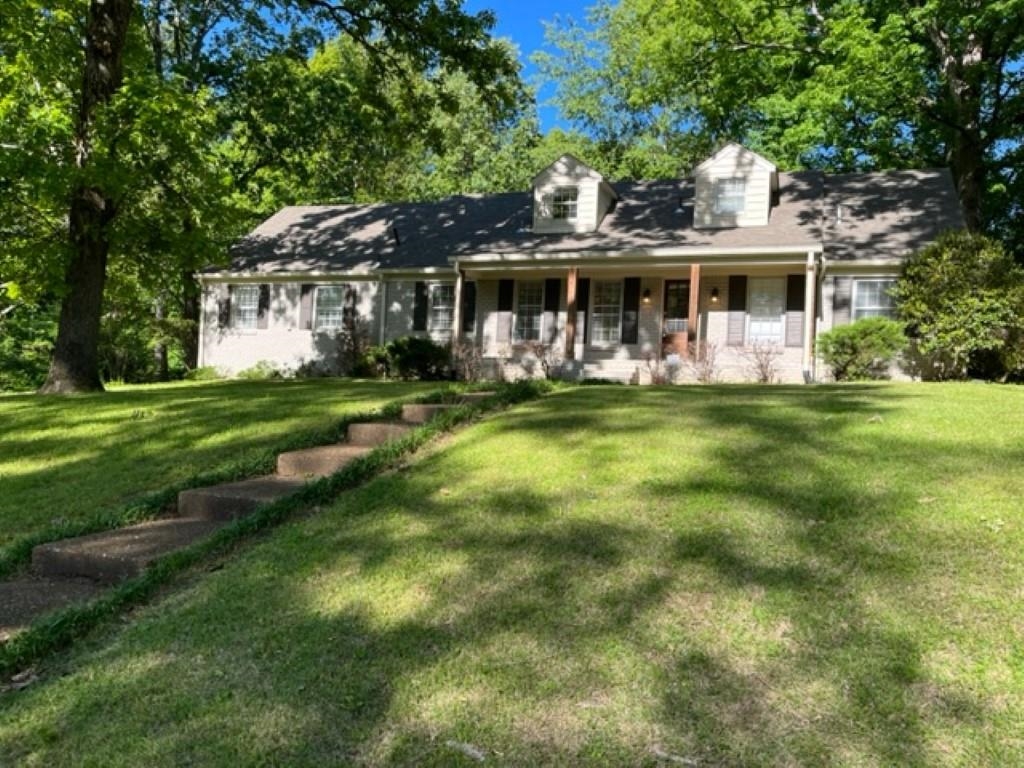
{"type": "Point", "coordinates": [70, 458]}
{"type": "Point", "coordinates": [695, 576]}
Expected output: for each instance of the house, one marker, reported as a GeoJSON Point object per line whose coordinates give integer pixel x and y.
{"type": "Point", "coordinates": [609, 280]}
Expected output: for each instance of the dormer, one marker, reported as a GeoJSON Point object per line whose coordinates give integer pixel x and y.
{"type": "Point", "coordinates": [569, 196]}
{"type": "Point", "coordinates": [734, 188]}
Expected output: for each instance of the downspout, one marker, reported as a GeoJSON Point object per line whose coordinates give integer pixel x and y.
{"type": "Point", "coordinates": [457, 309]}
{"type": "Point", "coordinates": [382, 290]}
{"type": "Point", "coordinates": [810, 317]}
{"type": "Point", "coordinates": [201, 351]}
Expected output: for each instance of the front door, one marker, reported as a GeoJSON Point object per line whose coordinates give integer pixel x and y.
{"type": "Point", "coordinates": [677, 310]}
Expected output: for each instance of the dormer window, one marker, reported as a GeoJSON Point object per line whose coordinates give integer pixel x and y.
{"type": "Point", "coordinates": [730, 195]}
{"type": "Point", "coordinates": [564, 203]}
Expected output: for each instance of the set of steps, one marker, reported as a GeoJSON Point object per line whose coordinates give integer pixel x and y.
{"type": "Point", "coordinates": [110, 556]}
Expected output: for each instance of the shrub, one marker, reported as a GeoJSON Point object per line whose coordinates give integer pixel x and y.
{"type": "Point", "coordinates": [264, 370]}
{"type": "Point", "coordinates": [414, 357]}
{"type": "Point", "coordinates": [205, 373]}
{"type": "Point", "coordinates": [962, 300]}
{"type": "Point", "coordinates": [374, 363]}
{"type": "Point", "coordinates": [762, 360]}
{"type": "Point", "coordinates": [862, 350]}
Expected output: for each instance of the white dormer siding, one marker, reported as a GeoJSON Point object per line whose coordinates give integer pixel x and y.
{"type": "Point", "coordinates": [568, 196]}
{"type": "Point", "coordinates": [733, 188]}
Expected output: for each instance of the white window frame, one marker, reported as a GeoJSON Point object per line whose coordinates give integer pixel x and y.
{"type": "Point", "coordinates": [726, 190]}
{"type": "Point", "coordinates": [761, 338]}
{"type": "Point", "coordinates": [565, 203]}
{"type": "Point", "coordinates": [318, 324]}
{"type": "Point", "coordinates": [240, 317]}
{"type": "Point", "coordinates": [598, 338]}
{"type": "Point", "coordinates": [517, 330]}
{"type": "Point", "coordinates": [441, 319]}
{"type": "Point", "coordinates": [876, 310]}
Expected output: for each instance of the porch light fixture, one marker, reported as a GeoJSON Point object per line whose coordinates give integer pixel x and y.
{"type": "Point", "coordinates": [714, 295]}
{"type": "Point", "coordinates": [647, 296]}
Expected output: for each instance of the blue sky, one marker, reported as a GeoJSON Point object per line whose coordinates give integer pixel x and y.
{"type": "Point", "coordinates": [522, 22]}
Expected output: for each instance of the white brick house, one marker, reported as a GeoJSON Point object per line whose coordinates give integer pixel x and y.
{"type": "Point", "coordinates": [610, 280]}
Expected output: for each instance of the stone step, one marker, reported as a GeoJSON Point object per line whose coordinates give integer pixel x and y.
{"type": "Point", "coordinates": [376, 432]}
{"type": "Point", "coordinates": [319, 462]}
{"type": "Point", "coordinates": [27, 597]}
{"type": "Point", "coordinates": [231, 500]}
{"type": "Point", "coordinates": [114, 555]}
{"type": "Point", "coordinates": [421, 413]}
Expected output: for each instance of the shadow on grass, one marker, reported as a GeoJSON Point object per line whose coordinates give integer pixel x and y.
{"type": "Point", "coordinates": [420, 615]}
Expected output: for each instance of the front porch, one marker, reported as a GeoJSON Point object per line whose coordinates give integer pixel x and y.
{"type": "Point", "coordinates": [646, 322]}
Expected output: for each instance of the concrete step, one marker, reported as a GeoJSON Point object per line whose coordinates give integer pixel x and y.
{"type": "Point", "coordinates": [377, 432]}
{"type": "Point", "coordinates": [421, 413]}
{"type": "Point", "coordinates": [319, 462]}
{"type": "Point", "coordinates": [230, 500]}
{"type": "Point", "coordinates": [25, 598]}
{"type": "Point", "coordinates": [114, 555]}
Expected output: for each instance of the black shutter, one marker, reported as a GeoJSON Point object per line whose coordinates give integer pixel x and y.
{"type": "Point", "coordinates": [306, 306]}
{"type": "Point", "coordinates": [582, 307]}
{"type": "Point", "coordinates": [842, 300]}
{"type": "Point", "coordinates": [630, 310]}
{"type": "Point", "coordinates": [552, 293]}
{"type": "Point", "coordinates": [224, 309]}
{"type": "Point", "coordinates": [737, 310]}
{"type": "Point", "coordinates": [795, 310]}
{"type": "Point", "coordinates": [263, 311]}
{"type": "Point", "coordinates": [468, 307]}
{"type": "Point", "coordinates": [419, 307]}
{"type": "Point", "coordinates": [506, 291]}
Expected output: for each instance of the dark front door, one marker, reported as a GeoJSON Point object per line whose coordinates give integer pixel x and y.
{"type": "Point", "coordinates": [677, 309]}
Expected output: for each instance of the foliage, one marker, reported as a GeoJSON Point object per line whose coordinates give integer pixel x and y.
{"type": "Point", "coordinates": [408, 357]}
{"type": "Point", "coordinates": [862, 350]}
{"type": "Point", "coordinates": [204, 373]}
{"type": "Point", "coordinates": [962, 300]}
{"type": "Point", "coordinates": [26, 342]}
{"type": "Point", "coordinates": [835, 85]}
{"type": "Point", "coordinates": [705, 549]}
{"type": "Point", "coordinates": [763, 361]}
{"type": "Point", "coordinates": [263, 370]}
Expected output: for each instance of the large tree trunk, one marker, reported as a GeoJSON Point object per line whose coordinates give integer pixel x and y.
{"type": "Point", "coordinates": [191, 307]}
{"type": "Point", "coordinates": [74, 367]}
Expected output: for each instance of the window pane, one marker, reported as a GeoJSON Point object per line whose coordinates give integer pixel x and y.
{"type": "Point", "coordinates": [767, 303]}
{"type": "Point", "coordinates": [442, 308]}
{"type": "Point", "coordinates": [729, 195]}
{"type": "Point", "coordinates": [529, 308]}
{"type": "Point", "coordinates": [245, 305]}
{"type": "Point", "coordinates": [872, 298]}
{"type": "Point", "coordinates": [330, 307]}
{"type": "Point", "coordinates": [607, 313]}
{"type": "Point", "coordinates": [564, 203]}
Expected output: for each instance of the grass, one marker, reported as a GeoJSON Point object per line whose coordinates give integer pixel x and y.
{"type": "Point", "coordinates": [66, 461]}
{"type": "Point", "coordinates": [708, 576]}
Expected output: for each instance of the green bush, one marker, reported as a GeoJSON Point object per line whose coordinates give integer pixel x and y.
{"type": "Point", "coordinates": [962, 301]}
{"type": "Point", "coordinates": [862, 350]}
{"type": "Point", "coordinates": [410, 357]}
{"type": "Point", "coordinates": [205, 373]}
{"type": "Point", "coordinates": [262, 371]}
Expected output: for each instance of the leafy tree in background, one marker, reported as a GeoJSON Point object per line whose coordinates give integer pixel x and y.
{"type": "Point", "coordinates": [962, 300]}
{"type": "Point", "coordinates": [111, 118]}
{"type": "Point", "coordinates": [831, 84]}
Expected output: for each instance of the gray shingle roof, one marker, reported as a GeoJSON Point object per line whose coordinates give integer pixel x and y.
{"type": "Point", "coordinates": [883, 215]}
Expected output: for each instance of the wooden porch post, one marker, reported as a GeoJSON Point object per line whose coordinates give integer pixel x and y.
{"type": "Point", "coordinates": [570, 314]}
{"type": "Point", "coordinates": [694, 315]}
{"type": "Point", "coordinates": [810, 292]}
{"type": "Point", "coordinates": [457, 310]}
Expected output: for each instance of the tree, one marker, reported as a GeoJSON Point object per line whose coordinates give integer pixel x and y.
{"type": "Point", "coordinates": [962, 299]}
{"type": "Point", "coordinates": [97, 125]}
{"type": "Point", "coordinates": [823, 83]}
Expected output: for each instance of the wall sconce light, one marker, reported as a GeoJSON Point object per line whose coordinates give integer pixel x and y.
{"type": "Point", "coordinates": [714, 295]}
{"type": "Point", "coordinates": [647, 296]}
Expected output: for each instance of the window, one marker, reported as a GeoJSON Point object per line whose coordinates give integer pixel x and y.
{"type": "Point", "coordinates": [606, 317]}
{"type": "Point", "coordinates": [442, 308]}
{"type": "Point", "coordinates": [529, 310]}
{"type": "Point", "coordinates": [872, 298]}
{"type": "Point", "coordinates": [564, 203]}
{"type": "Point", "coordinates": [730, 195]}
{"type": "Point", "coordinates": [245, 306]}
{"type": "Point", "coordinates": [330, 307]}
{"type": "Point", "coordinates": [767, 304]}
